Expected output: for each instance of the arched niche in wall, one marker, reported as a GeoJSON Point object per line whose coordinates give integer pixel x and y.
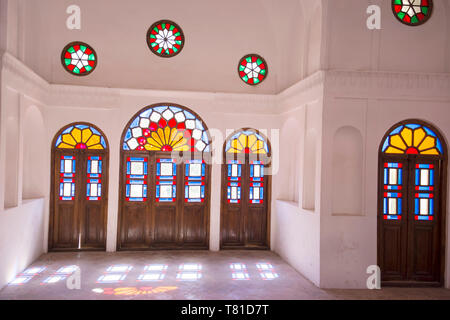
{"type": "Point", "coordinates": [33, 157]}
{"type": "Point", "coordinates": [290, 161]}
{"type": "Point", "coordinates": [347, 166]}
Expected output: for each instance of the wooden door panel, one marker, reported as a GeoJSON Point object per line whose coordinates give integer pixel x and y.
{"type": "Point", "coordinates": [133, 225]}
{"type": "Point", "coordinates": [232, 226]}
{"type": "Point", "coordinates": [393, 257]}
{"type": "Point", "coordinates": [194, 231]}
{"type": "Point", "coordinates": [66, 227]}
{"type": "Point", "coordinates": [164, 225]}
{"type": "Point", "coordinates": [256, 225]}
{"type": "Point", "coordinates": [93, 225]}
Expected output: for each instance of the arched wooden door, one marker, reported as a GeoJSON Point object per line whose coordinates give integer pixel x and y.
{"type": "Point", "coordinates": [411, 205]}
{"type": "Point", "coordinates": [245, 199]}
{"type": "Point", "coordinates": [165, 180]}
{"type": "Point", "coordinates": [79, 189]}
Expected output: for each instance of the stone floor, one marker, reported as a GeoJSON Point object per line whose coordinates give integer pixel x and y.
{"type": "Point", "coordinates": [206, 275]}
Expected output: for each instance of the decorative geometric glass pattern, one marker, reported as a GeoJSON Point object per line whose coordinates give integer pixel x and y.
{"type": "Point", "coordinates": [166, 128]}
{"type": "Point", "coordinates": [78, 58]}
{"type": "Point", "coordinates": [165, 38]}
{"type": "Point", "coordinates": [67, 178]}
{"type": "Point", "coordinates": [252, 69]}
{"type": "Point", "coordinates": [412, 12]}
{"type": "Point", "coordinates": [166, 180]}
{"type": "Point", "coordinates": [256, 186]}
{"type": "Point", "coordinates": [392, 196]}
{"type": "Point", "coordinates": [412, 139]}
{"type": "Point", "coordinates": [94, 178]}
{"type": "Point", "coordinates": [81, 136]}
{"type": "Point", "coordinates": [425, 191]}
{"type": "Point", "coordinates": [194, 189]}
{"type": "Point", "coordinates": [247, 142]}
{"type": "Point", "coordinates": [234, 174]}
{"type": "Point", "coordinates": [136, 179]}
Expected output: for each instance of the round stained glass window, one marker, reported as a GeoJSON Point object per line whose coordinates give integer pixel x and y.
{"type": "Point", "coordinates": [412, 12]}
{"type": "Point", "coordinates": [165, 38]}
{"type": "Point", "coordinates": [79, 58]}
{"type": "Point", "coordinates": [252, 69]}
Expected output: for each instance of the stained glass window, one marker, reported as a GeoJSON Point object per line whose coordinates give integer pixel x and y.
{"type": "Point", "coordinates": [412, 139]}
{"type": "Point", "coordinates": [234, 175]}
{"type": "Point", "coordinates": [424, 191]}
{"type": "Point", "coordinates": [136, 183]}
{"type": "Point", "coordinates": [393, 191]}
{"type": "Point", "coordinates": [165, 38]}
{"type": "Point", "coordinates": [81, 136]}
{"type": "Point", "coordinates": [94, 178]}
{"type": "Point", "coordinates": [78, 58]}
{"type": "Point", "coordinates": [166, 180]}
{"type": "Point", "coordinates": [252, 69]}
{"type": "Point", "coordinates": [256, 190]}
{"type": "Point", "coordinates": [67, 178]}
{"type": "Point", "coordinates": [247, 142]}
{"type": "Point", "coordinates": [412, 12]}
{"type": "Point", "coordinates": [195, 172]}
{"type": "Point", "coordinates": [167, 128]}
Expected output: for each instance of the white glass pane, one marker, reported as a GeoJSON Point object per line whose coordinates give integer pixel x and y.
{"type": "Point", "coordinates": [234, 170]}
{"type": "Point", "coordinates": [137, 167]}
{"type": "Point", "coordinates": [67, 166]}
{"type": "Point", "coordinates": [195, 169]}
{"type": "Point", "coordinates": [424, 177]}
{"type": "Point", "coordinates": [393, 176]}
{"type": "Point", "coordinates": [165, 191]}
{"type": "Point", "coordinates": [194, 192]}
{"type": "Point", "coordinates": [392, 206]}
{"type": "Point", "coordinates": [67, 191]}
{"type": "Point", "coordinates": [234, 193]}
{"type": "Point", "coordinates": [257, 171]}
{"type": "Point", "coordinates": [136, 191]}
{"type": "Point", "coordinates": [256, 193]}
{"type": "Point", "coordinates": [424, 207]}
{"type": "Point", "coordinates": [94, 189]}
{"type": "Point", "coordinates": [166, 169]}
{"type": "Point", "coordinates": [94, 166]}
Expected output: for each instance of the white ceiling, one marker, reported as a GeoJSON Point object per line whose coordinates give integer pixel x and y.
{"type": "Point", "coordinates": [218, 34]}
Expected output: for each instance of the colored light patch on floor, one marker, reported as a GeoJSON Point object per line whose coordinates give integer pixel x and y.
{"type": "Point", "coordinates": [188, 276]}
{"type": "Point", "coordinates": [133, 291]}
{"type": "Point", "coordinates": [111, 278]}
{"type": "Point", "coordinates": [67, 269]}
{"type": "Point", "coordinates": [53, 279]}
{"type": "Point", "coordinates": [268, 275]}
{"type": "Point", "coordinates": [240, 276]}
{"type": "Point", "coordinates": [151, 277]}
{"type": "Point", "coordinates": [190, 267]}
{"type": "Point", "coordinates": [264, 266]}
{"type": "Point", "coordinates": [155, 267]}
{"type": "Point", "coordinates": [119, 268]}
{"type": "Point", "coordinates": [34, 271]}
{"type": "Point", "coordinates": [20, 280]}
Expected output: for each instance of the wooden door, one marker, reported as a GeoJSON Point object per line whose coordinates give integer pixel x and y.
{"type": "Point", "coordinates": [244, 204]}
{"type": "Point", "coordinates": [78, 200]}
{"type": "Point", "coordinates": [164, 202]}
{"type": "Point", "coordinates": [410, 220]}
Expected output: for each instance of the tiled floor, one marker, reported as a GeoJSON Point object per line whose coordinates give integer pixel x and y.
{"type": "Point", "coordinates": [184, 275]}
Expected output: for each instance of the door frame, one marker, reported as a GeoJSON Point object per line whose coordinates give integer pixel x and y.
{"type": "Point", "coordinates": [442, 205]}
{"type": "Point", "coordinates": [223, 197]}
{"type": "Point", "coordinates": [105, 184]}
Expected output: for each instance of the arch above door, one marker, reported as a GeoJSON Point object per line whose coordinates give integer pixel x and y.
{"type": "Point", "coordinates": [412, 204]}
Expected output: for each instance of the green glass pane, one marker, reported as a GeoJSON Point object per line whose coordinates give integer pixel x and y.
{"type": "Point", "coordinates": [88, 68]}
{"type": "Point", "coordinates": [177, 34]}
{"type": "Point", "coordinates": [67, 61]}
{"type": "Point", "coordinates": [178, 42]}
{"type": "Point", "coordinates": [159, 50]}
{"type": "Point", "coordinates": [156, 29]}
{"type": "Point", "coordinates": [167, 52]}
{"type": "Point", "coordinates": [172, 27]}
{"type": "Point", "coordinates": [249, 59]}
{"type": "Point", "coordinates": [245, 78]}
{"type": "Point", "coordinates": [425, 10]}
{"type": "Point", "coordinates": [263, 71]}
{"type": "Point", "coordinates": [259, 61]}
{"type": "Point", "coordinates": [401, 15]}
{"type": "Point", "coordinates": [152, 36]}
{"type": "Point", "coordinates": [255, 80]}
{"type": "Point", "coordinates": [71, 50]}
{"type": "Point", "coordinates": [398, 2]}
{"type": "Point", "coordinates": [174, 49]}
{"type": "Point", "coordinates": [83, 48]}
{"type": "Point", "coordinates": [163, 26]}
{"type": "Point", "coordinates": [91, 57]}
{"type": "Point", "coordinates": [76, 70]}
{"type": "Point", "coordinates": [414, 19]}
{"type": "Point", "coordinates": [241, 67]}
{"type": "Point", "coordinates": [153, 44]}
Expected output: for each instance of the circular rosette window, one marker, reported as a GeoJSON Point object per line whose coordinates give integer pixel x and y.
{"type": "Point", "coordinates": [165, 38]}
{"type": "Point", "coordinates": [252, 69]}
{"type": "Point", "coordinates": [412, 12]}
{"type": "Point", "coordinates": [79, 58]}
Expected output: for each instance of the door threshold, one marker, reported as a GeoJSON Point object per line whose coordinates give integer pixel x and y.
{"type": "Point", "coordinates": [411, 284]}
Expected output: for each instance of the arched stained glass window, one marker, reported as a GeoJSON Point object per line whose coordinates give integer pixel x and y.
{"type": "Point", "coordinates": [80, 136]}
{"type": "Point", "coordinates": [252, 69]}
{"type": "Point", "coordinates": [412, 12]}
{"type": "Point", "coordinates": [165, 38]}
{"type": "Point", "coordinates": [412, 139]}
{"type": "Point", "coordinates": [247, 141]}
{"type": "Point", "coordinates": [79, 58]}
{"type": "Point", "coordinates": [167, 128]}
